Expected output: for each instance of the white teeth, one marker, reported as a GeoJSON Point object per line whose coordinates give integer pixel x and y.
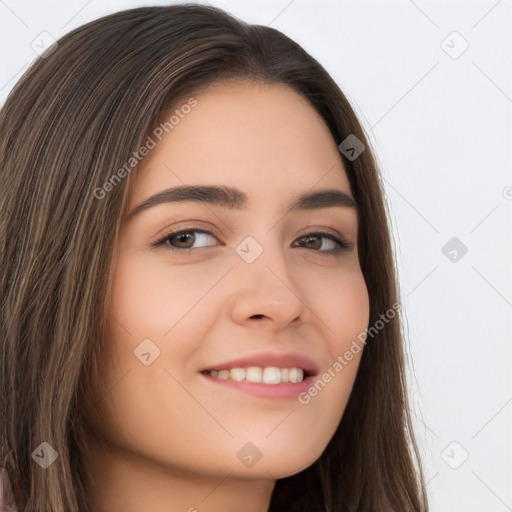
{"type": "Point", "coordinates": [268, 375]}
{"type": "Point", "coordinates": [223, 374]}
{"type": "Point", "coordinates": [237, 374]}
{"type": "Point", "coordinates": [253, 374]}
{"type": "Point", "coordinates": [295, 375]}
{"type": "Point", "coordinates": [271, 375]}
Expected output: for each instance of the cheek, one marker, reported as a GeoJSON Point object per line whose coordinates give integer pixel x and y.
{"type": "Point", "coordinates": [157, 309]}
{"type": "Point", "coordinates": [150, 297]}
{"type": "Point", "coordinates": [146, 302]}
{"type": "Point", "coordinates": [341, 303]}
{"type": "Point", "coordinates": [349, 311]}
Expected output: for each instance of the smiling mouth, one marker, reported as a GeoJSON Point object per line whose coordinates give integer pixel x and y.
{"type": "Point", "coordinates": [262, 375]}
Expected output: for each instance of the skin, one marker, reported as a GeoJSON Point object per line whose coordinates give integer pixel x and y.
{"type": "Point", "coordinates": [173, 436]}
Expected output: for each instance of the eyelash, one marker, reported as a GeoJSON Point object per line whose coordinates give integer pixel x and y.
{"type": "Point", "coordinates": [343, 245]}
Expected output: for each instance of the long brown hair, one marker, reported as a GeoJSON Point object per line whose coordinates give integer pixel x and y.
{"type": "Point", "coordinates": [76, 116]}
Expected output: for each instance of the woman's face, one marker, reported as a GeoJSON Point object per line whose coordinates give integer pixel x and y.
{"type": "Point", "coordinates": [249, 278]}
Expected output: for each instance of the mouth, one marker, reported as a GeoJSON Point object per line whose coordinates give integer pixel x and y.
{"type": "Point", "coordinates": [270, 375]}
{"type": "Point", "coordinates": [266, 382]}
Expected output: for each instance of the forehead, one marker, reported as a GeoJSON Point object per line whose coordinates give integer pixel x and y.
{"type": "Point", "coordinates": [266, 139]}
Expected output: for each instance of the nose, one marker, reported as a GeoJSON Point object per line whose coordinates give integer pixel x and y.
{"type": "Point", "coordinates": [266, 292]}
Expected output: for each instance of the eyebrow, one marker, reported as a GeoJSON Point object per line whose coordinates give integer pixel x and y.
{"type": "Point", "coordinates": [234, 199]}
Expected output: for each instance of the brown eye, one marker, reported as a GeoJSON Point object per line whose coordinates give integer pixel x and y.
{"type": "Point", "coordinates": [185, 240]}
{"type": "Point", "coordinates": [182, 240]}
{"type": "Point", "coordinates": [316, 241]}
{"type": "Point", "coordinates": [313, 242]}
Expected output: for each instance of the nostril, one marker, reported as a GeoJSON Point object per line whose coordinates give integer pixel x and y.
{"type": "Point", "coordinates": [257, 316]}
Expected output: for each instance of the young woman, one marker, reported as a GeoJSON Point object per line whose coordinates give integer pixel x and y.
{"type": "Point", "coordinates": [199, 304]}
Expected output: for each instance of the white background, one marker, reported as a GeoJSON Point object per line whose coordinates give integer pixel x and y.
{"type": "Point", "coordinates": [441, 127]}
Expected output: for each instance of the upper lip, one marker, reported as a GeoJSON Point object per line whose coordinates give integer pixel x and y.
{"type": "Point", "coordinates": [266, 359]}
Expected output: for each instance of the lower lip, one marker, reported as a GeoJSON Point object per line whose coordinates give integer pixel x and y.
{"type": "Point", "coordinates": [282, 390]}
